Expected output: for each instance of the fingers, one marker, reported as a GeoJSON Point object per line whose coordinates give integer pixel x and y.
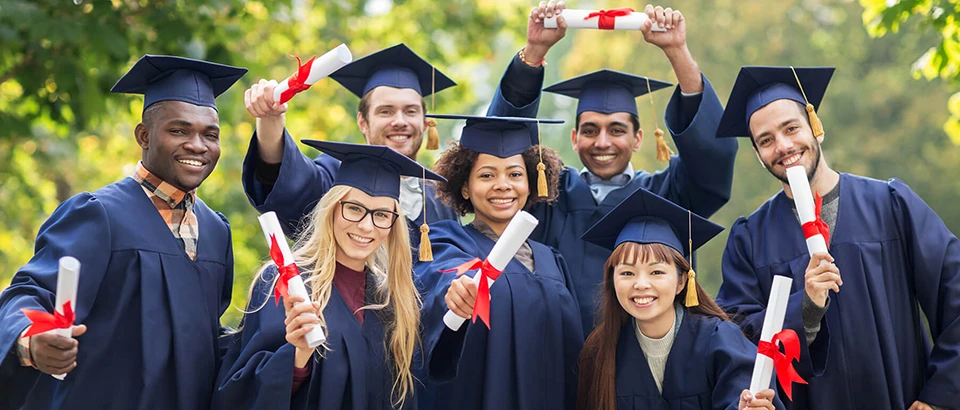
{"type": "Point", "coordinates": [52, 353]}
{"type": "Point", "coordinates": [659, 16]}
{"type": "Point", "coordinates": [461, 296]}
{"type": "Point", "coordinates": [259, 101]}
{"type": "Point", "coordinates": [78, 330]}
{"type": "Point", "coordinates": [290, 301]}
{"type": "Point", "coordinates": [535, 15]}
{"type": "Point", "coordinates": [299, 310]}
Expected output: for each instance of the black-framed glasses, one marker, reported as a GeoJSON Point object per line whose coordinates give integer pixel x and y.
{"type": "Point", "coordinates": [355, 212]}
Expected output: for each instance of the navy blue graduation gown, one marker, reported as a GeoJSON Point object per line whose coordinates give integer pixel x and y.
{"type": "Point", "coordinates": [257, 371]}
{"type": "Point", "coordinates": [709, 365]}
{"type": "Point", "coordinates": [152, 314]}
{"type": "Point", "coordinates": [528, 359]}
{"type": "Point", "coordinates": [699, 179]}
{"type": "Point", "coordinates": [895, 256]}
{"type": "Point", "coordinates": [303, 182]}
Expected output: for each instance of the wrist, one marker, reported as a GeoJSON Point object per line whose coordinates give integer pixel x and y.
{"type": "Point", "coordinates": [533, 55]}
{"type": "Point", "coordinates": [302, 357]}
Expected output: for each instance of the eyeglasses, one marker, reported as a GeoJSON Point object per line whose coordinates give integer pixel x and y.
{"type": "Point", "coordinates": [355, 212]}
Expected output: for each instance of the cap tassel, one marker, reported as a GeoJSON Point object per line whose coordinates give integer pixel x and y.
{"type": "Point", "coordinates": [426, 250]}
{"type": "Point", "coordinates": [541, 169]}
{"type": "Point", "coordinates": [815, 125]}
{"type": "Point", "coordinates": [433, 137]}
{"type": "Point", "coordinates": [692, 299]}
{"type": "Point", "coordinates": [663, 150]}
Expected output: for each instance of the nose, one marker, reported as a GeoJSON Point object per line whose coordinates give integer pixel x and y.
{"type": "Point", "coordinates": [502, 184]}
{"type": "Point", "coordinates": [397, 121]}
{"type": "Point", "coordinates": [196, 144]}
{"type": "Point", "coordinates": [603, 140]}
{"type": "Point", "coordinates": [641, 282]}
{"type": "Point", "coordinates": [784, 145]}
{"type": "Point", "coordinates": [366, 224]}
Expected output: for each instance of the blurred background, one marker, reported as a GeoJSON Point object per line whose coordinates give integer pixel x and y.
{"type": "Point", "coordinates": [889, 111]}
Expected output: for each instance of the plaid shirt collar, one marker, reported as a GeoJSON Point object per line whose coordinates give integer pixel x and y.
{"type": "Point", "coordinates": [153, 184]}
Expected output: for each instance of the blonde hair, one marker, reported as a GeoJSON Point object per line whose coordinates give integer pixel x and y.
{"type": "Point", "coordinates": [391, 265]}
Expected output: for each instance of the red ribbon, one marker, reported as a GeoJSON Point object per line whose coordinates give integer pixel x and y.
{"type": "Point", "coordinates": [607, 18]}
{"type": "Point", "coordinates": [284, 270]}
{"type": "Point", "coordinates": [817, 226]}
{"type": "Point", "coordinates": [295, 84]}
{"type": "Point", "coordinates": [41, 321]}
{"type": "Point", "coordinates": [783, 362]}
{"type": "Point", "coordinates": [481, 308]}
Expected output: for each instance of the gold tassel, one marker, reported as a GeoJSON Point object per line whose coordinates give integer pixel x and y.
{"type": "Point", "coordinates": [692, 299]}
{"type": "Point", "coordinates": [433, 137]}
{"type": "Point", "coordinates": [815, 123]}
{"type": "Point", "coordinates": [542, 180]}
{"type": "Point", "coordinates": [426, 251]}
{"type": "Point", "coordinates": [663, 150]}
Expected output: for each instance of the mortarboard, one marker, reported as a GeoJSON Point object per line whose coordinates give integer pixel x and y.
{"type": "Point", "coordinates": [171, 78]}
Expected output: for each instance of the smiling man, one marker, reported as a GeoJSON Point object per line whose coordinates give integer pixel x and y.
{"type": "Point", "coordinates": [156, 265]}
{"type": "Point", "coordinates": [391, 84]}
{"type": "Point", "coordinates": [891, 262]}
{"type": "Point", "coordinates": [607, 133]}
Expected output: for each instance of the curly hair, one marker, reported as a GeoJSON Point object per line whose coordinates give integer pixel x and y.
{"type": "Point", "coordinates": [456, 164]}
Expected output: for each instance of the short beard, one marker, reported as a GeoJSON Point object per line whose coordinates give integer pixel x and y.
{"type": "Point", "coordinates": [810, 172]}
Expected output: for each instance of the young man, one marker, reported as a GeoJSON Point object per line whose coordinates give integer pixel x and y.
{"type": "Point", "coordinates": [391, 84]}
{"type": "Point", "coordinates": [156, 265]}
{"type": "Point", "coordinates": [890, 256]}
{"type": "Point", "coordinates": [606, 134]}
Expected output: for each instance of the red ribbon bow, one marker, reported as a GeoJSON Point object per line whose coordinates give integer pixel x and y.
{"type": "Point", "coordinates": [285, 271]}
{"type": "Point", "coordinates": [607, 18]}
{"type": "Point", "coordinates": [41, 321]}
{"type": "Point", "coordinates": [783, 362]}
{"type": "Point", "coordinates": [481, 308]}
{"type": "Point", "coordinates": [295, 84]}
{"type": "Point", "coordinates": [817, 226]}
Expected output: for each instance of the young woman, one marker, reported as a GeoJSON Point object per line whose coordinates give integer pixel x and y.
{"type": "Point", "coordinates": [527, 357]}
{"type": "Point", "coordinates": [655, 347]}
{"type": "Point", "coordinates": [355, 260]}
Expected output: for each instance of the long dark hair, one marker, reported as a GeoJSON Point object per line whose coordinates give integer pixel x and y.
{"type": "Point", "coordinates": [598, 359]}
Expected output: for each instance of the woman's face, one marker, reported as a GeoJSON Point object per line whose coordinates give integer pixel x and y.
{"type": "Point", "coordinates": [497, 189]}
{"type": "Point", "coordinates": [646, 290]}
{"type": "Point", "coordinates": [356, 241]}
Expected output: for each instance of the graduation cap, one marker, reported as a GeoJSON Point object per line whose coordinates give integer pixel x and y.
{"type": "Point", "coordinates": [645, 217]}
{"type": "Point", "coordinates": [376, 170]}
{"type": "Point", "coordinates": [502, 137]}
{"type": "Point", "coordinates": [608, 91]}
{"type": "Point", "coordinates": [171, 78]}
{"type": "Point", "coordinates": [758, 86]}
{"type": "Point", "coordinates": [397, 67]}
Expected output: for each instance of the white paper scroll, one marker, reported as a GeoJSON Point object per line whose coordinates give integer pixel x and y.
{"type": "Point", "coordinates": [68, 278]}
{"type": "Point", "coordinates": [577, 19]}
{"type": "Point", "coordinates": [803, 198]}
{"type": "Point", "coordinates": [322, 67]}
{"type": "Point", "coordinates": [515, 234]}
{"type": "Point", "coordinates": [772, 324]}
{"type": "Point", "coordinates": [295, 286]}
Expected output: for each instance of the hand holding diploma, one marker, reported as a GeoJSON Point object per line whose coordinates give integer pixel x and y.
{"type": "Point", "coordinates": [821, 275]}
{"type": "Point", "coordinates": [312, 71]}
{"type": "Point", "coordinates": [289, 282]}
{"type": "Point", "coordinates": [52, 347]}
{"type": "Point", "coordinates": [515, 234]}
{"type": "Point", "coordinates": [772, 337]}
{"type": "Point", "coordinates": [624, 18]}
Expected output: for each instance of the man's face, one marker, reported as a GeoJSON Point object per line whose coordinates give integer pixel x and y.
{"type": "Point", "coordinates": [782, 138]}
{"type": "Point", "coordinates": [180, 143]}
{"type": "Point", "coordinates": [605, 142]}
{"type": "Point", "coordinates": [395, 119]}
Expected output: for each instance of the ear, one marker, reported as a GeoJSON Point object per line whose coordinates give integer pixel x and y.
{"type": "Point", "coordinates": [638, 140]}
{"type": "Point", "coordinates": [682, 284]}
{"type": "Point", "coordinates": [142, 134]}
{"type": "Point", "coordinates": [573, 140]}
{"type": "Point", "coordinates": [362, 124]}
{"type": "Point", "coordinates": [760, 160]}
{"type": "Point", "coordinates": [820, 138]}
{"type": "Point", "coordinates": [465, 191]}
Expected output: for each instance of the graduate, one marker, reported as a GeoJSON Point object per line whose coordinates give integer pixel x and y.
{"type": "Point", "coordinates": [391, 85]}
{"type": "Point", "coordinates": [527, 357]}
{"type": "Point", "coordinates": [607, 132]}
{"type": "Point", "coordinates": [157, 265]}
{"type": "Point", "coordinates": [662, 342]}
{"type": "Point", "coordinates": [356, 264]}
{"type": "Point", "coordinates": [891, 264]}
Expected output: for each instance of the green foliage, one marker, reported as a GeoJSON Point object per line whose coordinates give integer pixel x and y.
{"type": "Point", "coordinates": [942, 60]}
{"type": "Point", "coordinates": [62, 132]}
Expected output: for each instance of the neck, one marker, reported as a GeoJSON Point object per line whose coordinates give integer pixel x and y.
{"type": "Point", "coordinates": [823, 181]}
{"type": "Point", "coordinates": [496, 226]}
{"type": "Point", "coordinates": [353, 264]}
{"type": "Point", "coordinates": [658, 327]}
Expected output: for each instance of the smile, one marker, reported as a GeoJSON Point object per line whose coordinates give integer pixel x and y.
{"type": "Point", "coordinates": [398, 138]}
{"type": "Point", "coordinates": [791, 160]}
{"type": "Point", "coordinates": [191, 162]}
{"type": "Point", "coordinates": [604, 158]}
{"type": "Point", "coordinates": [643, 301]}
{"type": "Point", "coordinates": [359, 239]}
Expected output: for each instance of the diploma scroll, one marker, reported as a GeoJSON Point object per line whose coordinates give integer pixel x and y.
{"type": "Point", "coordinates": [617, 19]}
{"type": "Point", "coordinates": [803, 198]}
{"type": "Point", "coordinates": [772, 324]}
{"type": "Point", "coordinates": [68, 278]}
{"type": "Point", "coordinates": [274, 236]}
{"type": "Point", "coordinates": [313, 71]}
{"type": "Point", "coordinates": [515, 234]}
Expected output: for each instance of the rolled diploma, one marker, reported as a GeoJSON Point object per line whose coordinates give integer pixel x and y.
{"type": "Point", "coordinates": [772, 324]}
{"type": "Point", "coordinates": [295, 286]}
{"type": "Point", "coordinates": [803, 198]}
{"type": "Point", "coordinates": [577, 19]}
{"type": "Point", "coordinates": [322, 67]}
{"type": "Point", "coordinates": [516, 233]}
{"type": "Point", "coordinates": [68, 276]}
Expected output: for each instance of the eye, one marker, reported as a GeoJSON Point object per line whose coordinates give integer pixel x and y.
{"type": "Point", "coordinates": [793, 128]}
{"type": "Point", "coordinates": [764, 141]}
{"type": "Point", "coordinates": [353, 208]}
{"type": "Point", "coordinates": [486, 175]}
{"type": "Point", "coordinates": [618, 131]}
{"type": "Point", "coordinates": [626, 273]}
{"type": "Point", "coordinates": [380, 214]}
{"type": "Point", "coordinates": [588, 132]}
{"type": "Point", "coordinates": [213, 136]}
{"type": "Point", "coordinates": [658, 272]}
{"type": "Point", "coordinates": [383, 112]}
{"type": "Point", "coordinates": [413, 111]}
{"type": "Point", "coordinates": [178, 131]}
{"type": "Point", "coordinates": [516, 174]}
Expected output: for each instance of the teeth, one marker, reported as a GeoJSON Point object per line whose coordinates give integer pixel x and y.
{"type": "Point", "coordinates": [643, 300]}
{"type": "Point", "coordinates": [360, 238]}
{"type": "Point", "coordinates": [191, 162]}
{"type": "Point", "coordinates": [604, 157]}
{"type": "Point", "coordinates": [501, 201]}
{"type": "Point", "coordinates": [398, 137]}
{"type": "Point", "coordinates": [791, 159]}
